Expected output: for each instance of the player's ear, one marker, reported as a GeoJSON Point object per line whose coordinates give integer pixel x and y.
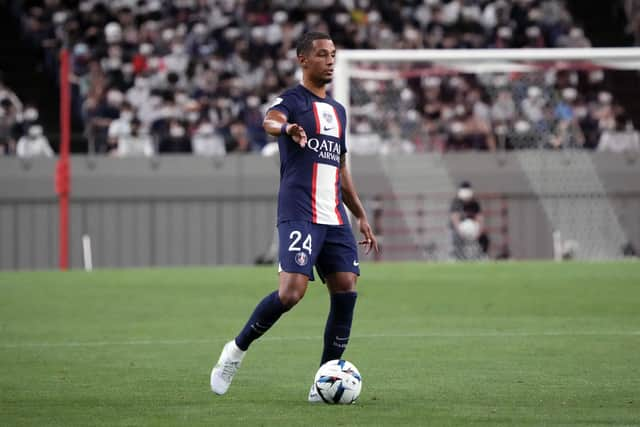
{"type": "Point", "coordinates": [302, 60]}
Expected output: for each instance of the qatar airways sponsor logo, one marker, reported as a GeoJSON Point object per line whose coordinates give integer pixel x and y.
{"type": "Point", "coordinates": [328, 150]}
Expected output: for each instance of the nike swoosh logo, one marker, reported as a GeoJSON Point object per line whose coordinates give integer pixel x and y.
{"type": "Point", "coordinates": [356, 263]}
{"type": "Point", "coordinates": [327, 128]}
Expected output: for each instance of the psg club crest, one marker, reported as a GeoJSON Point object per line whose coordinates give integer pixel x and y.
{"type": "Point", "coordinates": [301, 259]}
{"type": "Point", "coordinates": [327, 116]}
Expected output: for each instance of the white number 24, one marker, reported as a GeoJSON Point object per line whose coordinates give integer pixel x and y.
{"type": "Point", "coordinates": [296, 236]}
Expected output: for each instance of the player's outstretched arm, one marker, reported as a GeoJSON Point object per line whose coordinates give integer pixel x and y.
{"type": "Point", "coordinates": [275, 124]}
{"type": "Point", "coordinates": [351, 199]}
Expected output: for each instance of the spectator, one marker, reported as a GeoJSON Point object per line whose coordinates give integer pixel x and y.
{"type": "Point", "coordinates": [101, 113]}
{"type": "Point", "coordinates": [121, 126]}
{"type": "Point", "coordinates": [134, 141]}
{"type": "Point", "coordinates": [238, 139]}
{"type": "Point", "coordinates": [620, 139]}
{"type": "Point", "coordinates": [466, 222]}
{"type": "Point", "coordinates": [230, 57]}
{"type": "Point", "coordinates": [533, 105]}
{"type": "Point", "coordinates": [503, 109]}
{"type": "Point", "coordinates": [207, 142]}
{"type": "Point", "coordinates": [176, 139]}
{"type": "Point", "coordinates": [34, 144]}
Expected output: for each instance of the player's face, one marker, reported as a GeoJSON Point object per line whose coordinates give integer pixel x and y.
{"type": "Point", "coordinates": [318, 64]}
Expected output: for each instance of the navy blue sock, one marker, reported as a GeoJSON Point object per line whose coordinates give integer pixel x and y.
{"type": "Point", "coordinates": [266, 313]}
{"type": "Point", "coordinates": [338, 328]}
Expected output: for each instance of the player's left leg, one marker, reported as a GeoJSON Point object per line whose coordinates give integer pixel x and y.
{"type": "Point", "coordinates": [338, 266]}
{"type": "Point", "coordinates": [342, 292]}
{"type": "Point", "coordinates": [296, 259]}
{"type": "Point", "coordinates": [343, 295]}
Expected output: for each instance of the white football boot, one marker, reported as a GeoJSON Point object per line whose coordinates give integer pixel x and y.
{"type": "Point", "coordinates": [227, 366]}
{"type": "Point", "coordinates": [314, 397]}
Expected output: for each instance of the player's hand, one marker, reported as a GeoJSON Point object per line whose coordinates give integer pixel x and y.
{"type": "Point", "coordinates": [369, 240]}
{"type": "Point", "coordinates": [297, 133]}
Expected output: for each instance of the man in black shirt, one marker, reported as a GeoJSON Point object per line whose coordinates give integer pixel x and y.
{"type": "Point", "coordinates": [467, 224]}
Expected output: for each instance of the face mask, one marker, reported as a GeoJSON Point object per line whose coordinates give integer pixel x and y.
{"type": "Point", "coordinates": [465, 194]}
{"type": "Point", "coordinates": [604, 97]}
{"type": "Point", "coordinates": [181, 98]}
{"type": "Point", "coordinates": [114, 97]}
{"type": "Point", "coordinates": [141, 83]}
{"type": "Point", "coordinates": [205, 129]}
{"type": "Point", "coordinates": [146, 49]}
{"type": "Point", "coordinates": [35, 131]}
{"type": "Point", "coordinates": [580, 112]}
{"type": "Point", "coordinates": [176, 131]}
{"type": "Point", "coordinates": [113, 63]}
{"type": "Point", "coordinates": [168, 112]}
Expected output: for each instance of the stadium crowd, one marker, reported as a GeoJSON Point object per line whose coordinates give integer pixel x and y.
{"type": "Point", "coordinates": [152, 76]}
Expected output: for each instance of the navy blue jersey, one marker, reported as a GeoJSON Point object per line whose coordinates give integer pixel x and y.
{"type": "Point", "coordinates": [310, 176]}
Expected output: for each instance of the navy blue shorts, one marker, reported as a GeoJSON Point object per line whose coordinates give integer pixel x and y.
{"type": "Point", "coordinates": [330, 248]}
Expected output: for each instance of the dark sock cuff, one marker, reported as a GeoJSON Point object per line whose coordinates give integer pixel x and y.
{"type": "Point", "coordinates": [343, 298]}
{"type": "Point", "coordinates": [342, 304]}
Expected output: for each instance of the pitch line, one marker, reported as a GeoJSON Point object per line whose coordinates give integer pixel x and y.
{"type": "Point", "coordinates": [319, 337]}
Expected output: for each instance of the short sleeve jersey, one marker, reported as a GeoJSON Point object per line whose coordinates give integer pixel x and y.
{"type": "Point", "coordinates": [310, 176]}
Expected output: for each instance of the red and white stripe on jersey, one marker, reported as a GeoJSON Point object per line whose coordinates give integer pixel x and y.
{"type": "Point", "coordinates": [327, 121]}
{"type": "Point", "coordinates": [324, 195]}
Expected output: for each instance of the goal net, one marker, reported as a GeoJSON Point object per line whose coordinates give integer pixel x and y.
{"type": "Point", "coordinates": [548, 110]}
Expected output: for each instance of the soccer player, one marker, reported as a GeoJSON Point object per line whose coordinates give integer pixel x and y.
{"type": "Point", "coordinates": [313, 227]}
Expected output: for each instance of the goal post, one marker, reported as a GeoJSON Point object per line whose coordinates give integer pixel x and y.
{"type": "Point", "coordinates": [547, 106]}
{"type": "Point", "coordinates": [474, 59]}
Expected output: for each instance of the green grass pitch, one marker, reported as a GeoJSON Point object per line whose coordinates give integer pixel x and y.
{"type": "Point", "coordinates": [511, 344]}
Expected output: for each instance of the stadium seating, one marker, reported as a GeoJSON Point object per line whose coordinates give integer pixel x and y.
{"type": "Point", "coordinates": [188, 64]}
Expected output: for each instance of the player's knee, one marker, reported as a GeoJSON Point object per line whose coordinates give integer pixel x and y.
{"type": "Point", "coordinates": [290, 297]}
{"type": "Point", "coordinates": [342, 282]}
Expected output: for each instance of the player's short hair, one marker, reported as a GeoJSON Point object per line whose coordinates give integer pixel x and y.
{"type": "Point", "coordinates": [306, 42]}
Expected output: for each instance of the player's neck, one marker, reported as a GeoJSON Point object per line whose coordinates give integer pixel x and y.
{"type": "Point", "coordinates": [319, 90]}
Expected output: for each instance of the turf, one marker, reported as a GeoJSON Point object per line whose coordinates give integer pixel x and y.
{"type": "Point", "coordinates": [475, 344]}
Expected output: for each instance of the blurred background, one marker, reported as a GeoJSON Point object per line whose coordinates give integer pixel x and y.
{"type": "Point", "coordinates": [170, 164]}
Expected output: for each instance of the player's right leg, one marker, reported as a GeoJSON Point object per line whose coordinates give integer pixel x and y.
{"type": "Point", "coordinates": [291, 289]}
{"type": "Point", "coordinates": [296, 268]}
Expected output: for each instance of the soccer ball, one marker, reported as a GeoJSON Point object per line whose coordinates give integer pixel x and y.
{"type": "Point", "coordinates": [469, 229]}
{"type": "Point", "coordinates": [338, 382]}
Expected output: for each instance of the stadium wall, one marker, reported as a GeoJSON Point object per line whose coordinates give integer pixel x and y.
{"type": "Point", "coordinates": [170, 211]}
